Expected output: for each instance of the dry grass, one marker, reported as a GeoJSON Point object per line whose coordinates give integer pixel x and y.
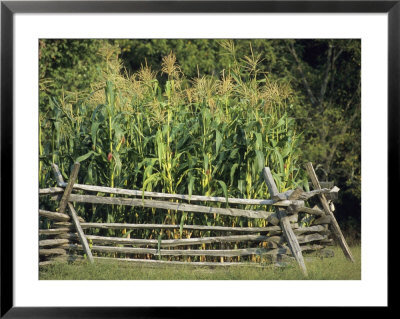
{"type": "Point", "coordinates": [336, 268]}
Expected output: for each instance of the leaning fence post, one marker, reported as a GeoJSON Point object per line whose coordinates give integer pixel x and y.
{"type": "Point", "coordinates": [65, 201]}
{"type": "Point", "coordinates": [285, 223]}
{"type": "Point", "coordinates": [58, 176]}
{"type": "Point", "coordinates": [334, 224]}
{"type": "Point", "coordinates": [80, 232]}
{"type": "Point", "coordinates": [68, 189]}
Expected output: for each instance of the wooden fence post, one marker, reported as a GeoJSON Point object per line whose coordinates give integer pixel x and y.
{"type": "Point", "coordinates": [285, 223]}
{"type": "Point", "coordinates": [65, 201]}
{"type": "Point", "coordinates": [68, 189]}
{"type": "Point", "coordinates": [58, 176]}
{"type": "Point", "coordinates": [334, 224]}
{"type": "Point", "coordinates": [80, 232]}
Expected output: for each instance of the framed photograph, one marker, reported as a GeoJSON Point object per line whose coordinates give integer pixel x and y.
{"type": "Point", "coordinates": [255, 141]}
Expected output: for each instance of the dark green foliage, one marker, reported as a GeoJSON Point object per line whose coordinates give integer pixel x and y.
{"type": "Point", "coordinates": [68, 64]}
{"type": "Point", "coordinates": [329, 78]}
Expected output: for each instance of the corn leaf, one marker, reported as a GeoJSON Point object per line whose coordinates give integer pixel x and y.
{"type": "Point", "coordinates": [84, 157]}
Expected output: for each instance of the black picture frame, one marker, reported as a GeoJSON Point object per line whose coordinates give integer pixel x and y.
{"type": "Point", "coordinates": [9, 8]}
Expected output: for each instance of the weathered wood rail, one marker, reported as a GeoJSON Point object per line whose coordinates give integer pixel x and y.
{"type": "Point", "coordinates": [281, 239]}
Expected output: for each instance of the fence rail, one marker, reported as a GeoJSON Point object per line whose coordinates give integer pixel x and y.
{"type": "Point", "coordinates": [139, 193]}
{"type": "Point", "coordinates": [283, 238]}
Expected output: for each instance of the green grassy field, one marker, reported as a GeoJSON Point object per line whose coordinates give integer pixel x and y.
{"type": "Point", "coordinates": [336, 268]}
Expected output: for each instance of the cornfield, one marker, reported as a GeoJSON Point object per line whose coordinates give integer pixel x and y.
{"type": "Point", "coordinates": [210, 135]}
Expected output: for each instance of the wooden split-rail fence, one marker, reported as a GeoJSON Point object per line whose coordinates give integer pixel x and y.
{"type": "Point", "coordinates": [283, 239]}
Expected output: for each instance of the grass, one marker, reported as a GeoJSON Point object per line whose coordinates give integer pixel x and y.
{"type": "Point", "coordinates": [336, 268]}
